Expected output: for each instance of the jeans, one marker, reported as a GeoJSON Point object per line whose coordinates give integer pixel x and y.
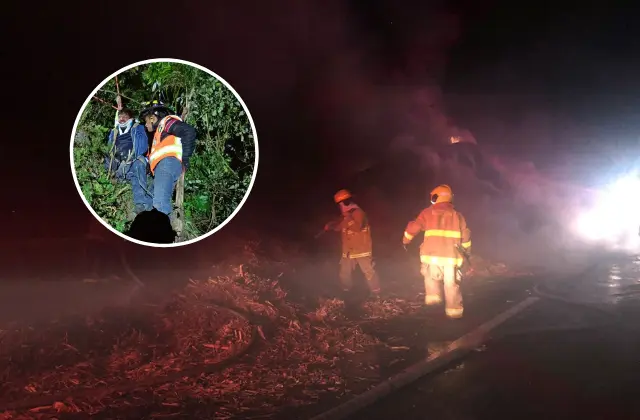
{"type": "Point", "coordinates": [136, 174]}
{"type": "Point", "coordinates": [166, 175]}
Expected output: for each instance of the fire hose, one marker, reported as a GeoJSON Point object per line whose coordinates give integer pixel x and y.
{"type": "Point", "coordinates": [460, 349]}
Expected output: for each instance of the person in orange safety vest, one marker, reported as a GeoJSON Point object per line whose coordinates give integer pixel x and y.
{"type": "Point", "coordinates": [444, 228]}
{"type": "Point", "coordinates": [357, 246]}
{"type": "Point", "coordinates": [172, 146]}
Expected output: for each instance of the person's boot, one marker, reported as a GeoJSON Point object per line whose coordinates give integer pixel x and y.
{"type": "Point", "coordinates": [432, 305]}
{"type": "Point", "coordinates": [454, 313]}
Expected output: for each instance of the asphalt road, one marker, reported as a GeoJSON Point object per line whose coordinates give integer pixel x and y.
{"type": "Point", "coordinates": [556, 360]}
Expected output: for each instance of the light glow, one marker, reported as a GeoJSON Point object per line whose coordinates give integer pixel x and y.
{"type": "Point", "coordinates": [614, 220]}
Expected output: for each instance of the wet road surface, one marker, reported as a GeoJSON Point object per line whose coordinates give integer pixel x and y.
{"type": "Point", "coordinates": [555, 360]}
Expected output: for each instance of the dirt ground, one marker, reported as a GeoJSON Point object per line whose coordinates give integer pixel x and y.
{"type": "Point", "coordinates": [105, 347]}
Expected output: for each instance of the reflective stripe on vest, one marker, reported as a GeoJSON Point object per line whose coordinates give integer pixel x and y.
{"type": "Point", "coordinates": [354, 256]}
{"type": "Point", "coordinates": [170, 146]}
{"type": "Point", "coordinates": [443, 233]}
{"type": "Point", "coordinates": [174, 149]}
{"type": "Point", "coordinates": [433, 260]}
{"type": "Point", "coordinates": [363, 230]}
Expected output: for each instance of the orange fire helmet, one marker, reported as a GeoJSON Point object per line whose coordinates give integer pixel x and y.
{"type": "Point", "coordinates": [441, 194]}
{"type": "Point", "coordinates": [341, 196]}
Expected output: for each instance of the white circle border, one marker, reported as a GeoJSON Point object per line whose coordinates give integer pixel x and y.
{"type": "Point", "coordinates": [255, 141]}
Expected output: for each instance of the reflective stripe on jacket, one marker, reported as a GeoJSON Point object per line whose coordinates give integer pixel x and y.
{"type": "Point", "coordinates": [443, 227]}
{"type": "Point", "coordinates": [356, 234]}
{"type": "Point", "coordinates": [164, 144]}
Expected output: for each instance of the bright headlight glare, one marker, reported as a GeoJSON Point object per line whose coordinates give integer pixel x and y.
{"type": "Point", "coordinates": [615, 218]}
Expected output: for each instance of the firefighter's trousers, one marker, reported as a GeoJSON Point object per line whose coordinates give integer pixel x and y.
{"type": "Point", "coordinates": [433, 276]}
{"type": "Point", "coordinates": [347, 265]}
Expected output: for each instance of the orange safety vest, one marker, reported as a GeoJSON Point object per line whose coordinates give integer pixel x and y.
{"type": "Point", "coordinates": [164, 146]}
{"type": "Point", "coordinates": [443, 227]}
{"type": "Point", "coordinates": [356, 242]}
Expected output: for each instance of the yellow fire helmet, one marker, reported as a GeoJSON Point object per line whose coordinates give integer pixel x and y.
{"type": "Point", "coordinates": [441, 194]}
{"type": "Point", "coordinates": [341, 196]}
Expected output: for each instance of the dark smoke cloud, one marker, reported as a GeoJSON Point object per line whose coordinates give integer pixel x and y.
{"type": "Point", "coordinates": [363, 107]}
{"type": "Point", "coordinates": [352, 94]}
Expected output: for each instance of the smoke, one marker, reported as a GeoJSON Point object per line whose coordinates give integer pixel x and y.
{"type": "Point", "coordinates": [365, 98]}
{"type": "Point", "coordinates": [359, 88]}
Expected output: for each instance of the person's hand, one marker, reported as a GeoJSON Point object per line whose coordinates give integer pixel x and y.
{"type": "Point", "coordinates": [327, 227]}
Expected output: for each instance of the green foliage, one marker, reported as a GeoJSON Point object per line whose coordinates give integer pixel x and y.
{"type": "Point", "coordinates": [220, 169]}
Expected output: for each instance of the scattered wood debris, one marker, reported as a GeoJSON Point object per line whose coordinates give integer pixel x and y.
{"type": "Point", "coordinates": [302, 354]}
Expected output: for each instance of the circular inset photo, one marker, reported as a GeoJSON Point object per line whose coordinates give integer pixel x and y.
{"type": "Point", "coordinates": [164, 152]}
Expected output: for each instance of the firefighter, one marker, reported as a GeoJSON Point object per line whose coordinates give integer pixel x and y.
{"type": "Point", "coordinates": [173, 144]}
{"type": "Point", "coordinates": [356, 243]}
{"type": "Point", "coordinates": [444, 228]}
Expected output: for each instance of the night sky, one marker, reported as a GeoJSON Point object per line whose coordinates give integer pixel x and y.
{"type": "Point", "coordinates": [329, 83]}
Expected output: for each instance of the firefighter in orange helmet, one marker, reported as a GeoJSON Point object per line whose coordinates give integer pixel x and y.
{"type": "Point", "coordinates": [356, 243]}
{"type": "Point", "coordinates": [444, 228]}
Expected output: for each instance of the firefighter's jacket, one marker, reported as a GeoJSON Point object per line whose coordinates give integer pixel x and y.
{"type": "Point", "coordinates": [443, 228]}
{"type": "Point", "coordinates": [356, 233]}
{"type": "Point", "coordinates": [172, 138]}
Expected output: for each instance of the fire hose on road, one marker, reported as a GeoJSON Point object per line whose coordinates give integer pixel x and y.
{"type": "Point", "coordinates": [463, 347]}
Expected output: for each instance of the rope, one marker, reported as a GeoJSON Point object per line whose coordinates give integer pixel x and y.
{"type": "Point", "coordinates": [104, 102]}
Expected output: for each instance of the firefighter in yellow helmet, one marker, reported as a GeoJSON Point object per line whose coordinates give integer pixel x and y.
{"type": "Point", "coordinates": [356, 243]}
{"type": "Point", "coordinates": [444, 228]}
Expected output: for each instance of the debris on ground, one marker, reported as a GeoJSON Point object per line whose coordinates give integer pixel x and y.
{"type": "Point", "coordinates": [293, 364]}
{"type": "Point", "coordinates": [297, 357]}
{"type": "Point", "coordinates": [117, 346]}
{"type": "Point", "coordinates": [329, 310]}
{"type": "Point", "coordinates": [481, 268]}
{"type": "Point", "coordinates": [390, 308]}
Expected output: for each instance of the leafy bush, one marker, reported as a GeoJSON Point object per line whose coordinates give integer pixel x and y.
{"type": "Point", "coordinates": [220, 169]}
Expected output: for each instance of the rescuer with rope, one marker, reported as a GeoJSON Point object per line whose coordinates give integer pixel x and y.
{"type": "Point", "coordinates": [446, 235]}
{"type": "Point", "coordinates": [172, 146]}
